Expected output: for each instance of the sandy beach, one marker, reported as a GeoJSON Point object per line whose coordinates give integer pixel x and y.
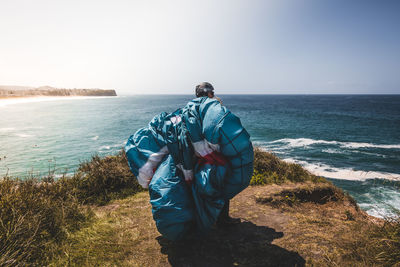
{"type": "Point", "coordinates": [5, 101]}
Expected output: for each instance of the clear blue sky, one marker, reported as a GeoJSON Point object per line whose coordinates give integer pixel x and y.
{"type": "Point", "coordinates": [282, 46]}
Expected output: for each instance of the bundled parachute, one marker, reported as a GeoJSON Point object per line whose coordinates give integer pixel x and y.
{"type": "Point", "coordinates": [192, 161]}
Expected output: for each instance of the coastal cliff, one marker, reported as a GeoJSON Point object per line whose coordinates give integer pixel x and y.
{"type": "Point", "coordinates": [22, 91]}
{"type": "Point", "coordinates": [101, 217]}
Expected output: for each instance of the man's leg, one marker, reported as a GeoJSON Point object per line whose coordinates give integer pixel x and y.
{"type": "Point", "coordinates": [224, 218]}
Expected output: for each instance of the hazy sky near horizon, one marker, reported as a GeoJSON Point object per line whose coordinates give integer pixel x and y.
{"type": "Point", "coordinates": [253, 46]}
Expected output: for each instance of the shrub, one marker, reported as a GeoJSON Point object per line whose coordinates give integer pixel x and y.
{"type": "Point", "coordinates": [37, 215]}
{"type": "Point", "coordinates": [102, 179]}
{"type": "Point", "coordinates": [269, 169]}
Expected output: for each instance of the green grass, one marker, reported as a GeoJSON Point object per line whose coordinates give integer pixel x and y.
{"type": "Point", "coordinates": [269, 169]}
{"type": "Point", "coordinates": [102, 179]}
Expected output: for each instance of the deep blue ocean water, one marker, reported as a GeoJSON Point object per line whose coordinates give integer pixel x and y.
{"type": "Point", "coordinates": [352, 139]}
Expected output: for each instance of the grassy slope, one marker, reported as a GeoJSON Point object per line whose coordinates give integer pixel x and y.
{"type": "Point", "coordinates": [281, 234]}
{"type": "Point", "coordinates": [289, 217]}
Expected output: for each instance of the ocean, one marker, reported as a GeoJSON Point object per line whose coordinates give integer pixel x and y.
{"type": "Point", "coordinates": [353, 140]}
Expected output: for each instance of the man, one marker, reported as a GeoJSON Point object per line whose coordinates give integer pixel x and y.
{"type": "Point", "coordinates": [206, 89]}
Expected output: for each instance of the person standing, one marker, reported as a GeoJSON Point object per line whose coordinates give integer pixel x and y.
{"type": "Point", "coordinates": [206, 89]}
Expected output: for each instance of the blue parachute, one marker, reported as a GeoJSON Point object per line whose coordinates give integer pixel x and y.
{"type": "Point", "coordinates": [192, 161]}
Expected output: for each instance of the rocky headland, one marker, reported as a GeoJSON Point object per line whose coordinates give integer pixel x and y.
{"type": "Point", "coordinates": [24, 91]}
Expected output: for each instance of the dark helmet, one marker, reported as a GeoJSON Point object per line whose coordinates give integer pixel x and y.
{"type": "Point", "coordinates": [203, 89]}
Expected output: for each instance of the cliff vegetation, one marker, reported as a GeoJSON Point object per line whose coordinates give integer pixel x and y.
{"type": "Point", "coordinates": [101, 217]}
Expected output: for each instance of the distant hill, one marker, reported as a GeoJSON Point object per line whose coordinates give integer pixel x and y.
{"type": "Point", "coordinates": [12, 90]}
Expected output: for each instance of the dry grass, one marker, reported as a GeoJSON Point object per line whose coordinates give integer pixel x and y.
{"type": "Point", "coordinates": [379, 245]}
{"type": "Point", "coordinates": [34, 219]}
{"type": "Point", "coordinates": [123, 234]}
{"type": "Point", "coordinates": [297, 218]}
{"type": "Point", "coordinates": [332, 233]}
{"type": "Point", "coordinates": [37, 215]}
{"type": "Point", "coordinates": [293, 194]}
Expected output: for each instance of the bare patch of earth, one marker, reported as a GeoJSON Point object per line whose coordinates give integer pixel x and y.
{"type": "Point", "coordinates": [278, 228]}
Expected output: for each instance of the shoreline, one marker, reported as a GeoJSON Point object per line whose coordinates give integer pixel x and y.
{"type": "Point", "coordinates": [11, 100]}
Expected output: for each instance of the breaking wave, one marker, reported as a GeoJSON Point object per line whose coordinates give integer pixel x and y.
{"type": "Point", "coordinates": [106, 148]}
{"type": "Point", "coordinates": [325, 170]}
{"type": "Point", "coordinates": [305, 142]}
{"type": "Point", "coordinates": [23, 135]}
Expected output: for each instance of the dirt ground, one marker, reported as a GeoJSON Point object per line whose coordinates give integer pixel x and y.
{"type": "Point", "coordinates": [277, 229]}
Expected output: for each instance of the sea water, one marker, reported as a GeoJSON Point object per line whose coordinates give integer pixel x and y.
{"type": "Point", "coordinates": [354, 140]}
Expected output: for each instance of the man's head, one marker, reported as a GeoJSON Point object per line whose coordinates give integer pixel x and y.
{"type": "Point", "coordinates": [204, 89]}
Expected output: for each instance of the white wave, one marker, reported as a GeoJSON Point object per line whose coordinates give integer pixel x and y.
{"type": "Point", "coordinates": [95, 137]}
{"type": "Point", "coordinates": [7, 129]}
{"type": "Point", "coordinates": [360, 145]}
{"type": "Point", "coordinates": [109, 147]}
{"type": "Point", "coordinates": [59, 175]}
{"type": "Point", "coordinates": [343, 173]}
{"type": "Point", "coordinates": [332, 151]}
{"type": "Point", "coordinates": [302, 142]}
{"type": "Point", "coordinates": [384, 208]}
{"type": "Point", "coordinates": [372, 154]}
{"type": "Point", "coordinates": [341, 151]}
{"type": "Point", "coordinates": [376, 210]}
{"type": "Point", "coordinates": [23, 100]}
{"type": "Point", "coordinates": [305, 142]}
{"type": "Point", "coordinates": [278, 152]}
{"type": "Point", "coordinates": [23, 135]}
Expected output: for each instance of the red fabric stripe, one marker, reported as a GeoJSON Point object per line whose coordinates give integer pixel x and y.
{"type": "Point", "coordinates": [214, 158]}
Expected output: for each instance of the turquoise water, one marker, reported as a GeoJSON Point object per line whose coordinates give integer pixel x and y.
{"type": "Point", "coordinates": [352, 139]}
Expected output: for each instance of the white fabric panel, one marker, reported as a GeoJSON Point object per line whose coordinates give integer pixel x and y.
{"type": "Point", "coordinates": [203, 147]}
{"type": "Point", "coordinates": [146, 171]}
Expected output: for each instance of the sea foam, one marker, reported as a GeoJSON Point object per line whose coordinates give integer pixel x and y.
{"type": "Point", "coordinates": [381, 202]}
{"type": "Point", "coordinates": [105, 148]}
{"type": "Point", "coordinates": [305, 142]}
{"type": "Point", "coordinates": [23, 135]}
{"type": "Point", "coordinates": [343, 173]}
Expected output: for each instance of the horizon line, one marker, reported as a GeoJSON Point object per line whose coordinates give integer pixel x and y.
{"type": "Point", "coordinates": [349, 94]}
